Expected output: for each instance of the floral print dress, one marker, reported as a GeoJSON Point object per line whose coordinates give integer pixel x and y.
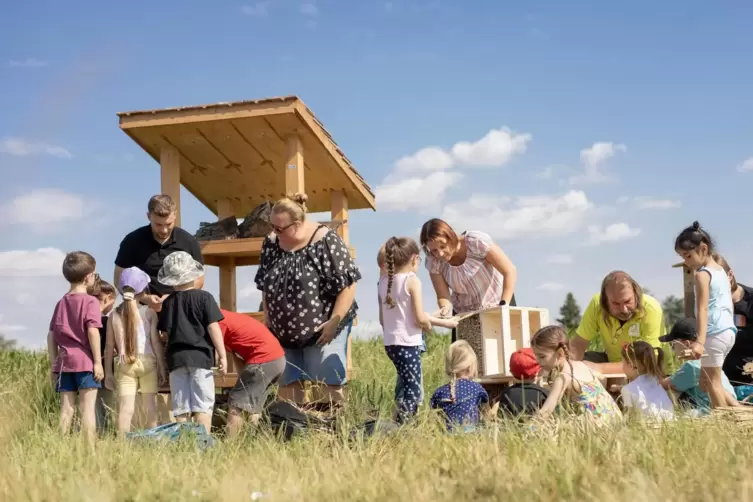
{"type": "Point", "coordinates": [301, 286]}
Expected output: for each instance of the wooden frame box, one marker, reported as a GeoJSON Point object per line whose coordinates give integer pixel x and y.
{"type": "Point", "coordinates": [497, 332]}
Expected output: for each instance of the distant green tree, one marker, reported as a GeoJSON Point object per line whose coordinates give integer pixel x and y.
{"type": "Point", "coordinates": [674, 310]}
{"type": "Point", "coordinates": [570, 315]}
{"type": "Point", "coordinates": [6, 344]}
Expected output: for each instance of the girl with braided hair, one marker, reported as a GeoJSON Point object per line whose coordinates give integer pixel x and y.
{"type": "Point", "coordinates": [570, 380]}
{"type": "Point", "coordinates": [403, 320]}
{"type": "Point", "coordinates": [461, 399]}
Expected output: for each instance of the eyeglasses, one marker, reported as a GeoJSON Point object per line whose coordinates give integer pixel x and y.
{"type": "Point", "coordinates": [279, 230]}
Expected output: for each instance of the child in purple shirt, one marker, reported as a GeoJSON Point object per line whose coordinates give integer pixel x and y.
{"type": "Point", "coordinates": [74, 346]}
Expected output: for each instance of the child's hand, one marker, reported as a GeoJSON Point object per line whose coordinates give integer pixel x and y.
{"type": "Point", "coordinates": [99, 373]}
{"type": "Point", "coordinates": [425, 323]}
{"type": "Point", "coordinates": [121, 359]}
{"type": "Point", "coordinates": [222, 366]}
{"type": "Point", "coordinates": [109, 382]}
{"type": "Point", "coordinates": [696, 350]}
{"type": "Point", "coordinates": [162, 377]}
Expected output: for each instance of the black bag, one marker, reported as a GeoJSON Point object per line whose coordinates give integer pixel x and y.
{"type": "Point", "coordinates": [286, 419]}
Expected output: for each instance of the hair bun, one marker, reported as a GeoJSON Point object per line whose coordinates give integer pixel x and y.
{"type": "Point", "coordinates": [696, 225]}
{"type": "Point", "coordinates": [300, 199]}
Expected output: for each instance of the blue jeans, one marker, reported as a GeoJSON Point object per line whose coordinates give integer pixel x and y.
{"type": "Point", "coordinates": [318, 364]}
{"type": "Point", "coordinates": [407, 361]}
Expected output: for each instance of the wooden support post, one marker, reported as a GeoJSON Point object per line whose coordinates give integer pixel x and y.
{"type": "Point", "coordinates": [228, 288]}
{"type": "Point", "coordinates": [169, 161]}
{"type": "Point", "coordinates": [294, 182]}
{"type": "Point", "coordinates": [688, 286]}
{"type": "Point", "coordinates": [340, 213]}
{"type": "Point", "coordinates": [688, 289]}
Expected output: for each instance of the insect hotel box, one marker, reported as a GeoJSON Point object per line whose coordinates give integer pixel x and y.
{"type": "Point", "coordinates": [497, 332]}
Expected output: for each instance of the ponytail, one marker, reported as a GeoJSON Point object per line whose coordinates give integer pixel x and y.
{"type": "Point", "coordinates": [128, 311]}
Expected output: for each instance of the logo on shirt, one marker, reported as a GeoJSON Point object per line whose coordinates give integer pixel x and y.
{"type": "Point", "coordinates": [634, 331]}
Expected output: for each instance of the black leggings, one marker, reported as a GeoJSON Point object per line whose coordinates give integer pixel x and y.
{"type": "Point", "coordinates": [455, 331]}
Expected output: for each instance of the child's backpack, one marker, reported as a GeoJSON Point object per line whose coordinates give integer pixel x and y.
{"type": "Point", "coordinates": [175, 431]}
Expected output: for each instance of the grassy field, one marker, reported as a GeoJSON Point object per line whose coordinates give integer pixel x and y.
{"type": "Point", "coordinates": [689, 460]}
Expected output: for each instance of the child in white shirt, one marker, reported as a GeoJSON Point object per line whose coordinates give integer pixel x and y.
{"type": "Point", "coordinates": [644, 396]}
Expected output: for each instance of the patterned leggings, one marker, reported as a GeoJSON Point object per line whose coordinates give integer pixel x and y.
{"type": "Point", "coordinates": [407, 361]}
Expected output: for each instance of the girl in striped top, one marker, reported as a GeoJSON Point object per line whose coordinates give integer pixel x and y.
{"type": "Point", "coordinates": [469, 272]}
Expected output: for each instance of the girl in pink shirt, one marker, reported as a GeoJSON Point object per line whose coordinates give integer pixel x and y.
{"type": "Point", "coordinates": [403, 320]}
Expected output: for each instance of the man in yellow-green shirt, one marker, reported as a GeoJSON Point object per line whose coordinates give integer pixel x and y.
{"type": "Point", "coordinates": [619, 314]}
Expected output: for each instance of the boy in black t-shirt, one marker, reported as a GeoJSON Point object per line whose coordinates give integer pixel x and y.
{"type": "Point", "coordinates": [105, 293]}
{"type": "Point", "coordinates": [190, 318]}
{"type": "Point", "coordinates": [524, 397]}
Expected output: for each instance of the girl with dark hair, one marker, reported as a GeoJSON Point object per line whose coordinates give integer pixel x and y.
{"type": "Point", "coordinates": [715, 323]}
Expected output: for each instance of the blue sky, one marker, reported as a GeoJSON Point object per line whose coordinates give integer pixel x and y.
{"type": "Point", "coordinates": [595, 131]}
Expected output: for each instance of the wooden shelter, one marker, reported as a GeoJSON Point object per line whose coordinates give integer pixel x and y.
{"type": "Point", "coordinates": [234, 156]}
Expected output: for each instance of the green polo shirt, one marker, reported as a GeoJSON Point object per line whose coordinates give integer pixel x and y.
{"type": "Point", "coordinates": [647, 325]}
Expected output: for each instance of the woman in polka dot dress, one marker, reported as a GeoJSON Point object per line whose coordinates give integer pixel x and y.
{"type": "Point", "coordinates": [403, 320]}
{"type": "Point", "coordinates": [308, 280]}
{"type": "Point", "coordinates": [462, 399]}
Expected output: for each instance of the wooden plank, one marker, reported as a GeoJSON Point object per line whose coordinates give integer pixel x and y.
{"type": "Point", "coordinates": [294, 165]}
{"type": "Point", "coordinates": [209, 113]}
{"type": "Point", "coordinates": [170, 176]}
{"type": "Point", "coordinates": [237, 248]}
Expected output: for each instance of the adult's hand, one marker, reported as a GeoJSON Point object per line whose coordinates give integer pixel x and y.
{"type": "Point", "coordinates": [328, 331]}
{"type": "Point", "coordinates": [154, 302]}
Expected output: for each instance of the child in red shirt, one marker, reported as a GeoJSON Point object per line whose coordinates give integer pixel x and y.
{"type": "Point", "coordinates": [263, 363]}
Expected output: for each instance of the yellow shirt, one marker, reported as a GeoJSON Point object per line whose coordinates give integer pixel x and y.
{"type": "Point", "coordinates": [647, 325]}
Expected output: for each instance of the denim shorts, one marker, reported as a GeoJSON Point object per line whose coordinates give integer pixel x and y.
{"type": "Point", "coordinates": [192, 390]}
{"type": "Point", "coordinates": [318, 364]}
{"type": "Point", "coordinates": [68, 381]}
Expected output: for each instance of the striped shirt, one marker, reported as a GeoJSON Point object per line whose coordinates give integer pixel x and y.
{"type": "Point", "coordinates": [475, 284]}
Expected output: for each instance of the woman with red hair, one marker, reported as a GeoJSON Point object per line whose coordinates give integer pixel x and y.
{"type": "Point", "coordinates": [468, 271]}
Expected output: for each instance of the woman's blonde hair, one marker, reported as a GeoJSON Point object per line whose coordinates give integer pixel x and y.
{"type": "Point", "coordinates": [128, 312]}
{"type": "Point", "coordinates": [460, 362]}
{"type": "Point", "coordinates": [293, 205]}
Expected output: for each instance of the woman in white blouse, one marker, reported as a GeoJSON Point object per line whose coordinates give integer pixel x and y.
{"type": "Point", "coordinates": [469, 272]}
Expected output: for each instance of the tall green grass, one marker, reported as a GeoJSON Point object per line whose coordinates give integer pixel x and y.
{"type": "Point", "coordinates": [688, 460]}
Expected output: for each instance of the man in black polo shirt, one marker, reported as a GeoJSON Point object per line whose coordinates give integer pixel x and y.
{"type": "Point", "coordinates": [742, 351]}
{"type": "Point", "coordinates": [147, 247]}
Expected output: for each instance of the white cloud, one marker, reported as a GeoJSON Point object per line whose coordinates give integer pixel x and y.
{"type": "Point", "coordinates": [258, 9]}
{"type": "Point", "coordinates": [611, 233]}
{"type": "Point", "coordinates": [415, 193]}
{"type": "Point", "coordinates": [599, 152]}
{"type": "Point", "coordinates": [429, 159]}
{"type": "Point", "coordinates": [550, 286]}
{"type": "Point", "coordinates": [43, 262]}
{"type": "Point", "coordinates": [27, 63]}
{"type": "Point", "coordinates": [559, 259]}
{"type": "Point", "coordinates": [44, 209]}
{"type": "Point", "coordinates": [22, 147]}
{"type": "Point", "coordinates": [7, 329]}
{"type": "Point", "coordinates": [592, 158]}
{"type": "Point", "coordinates": [746, 166]}
{"type": "Point", "coordinates": [522, 217]}
{"type": "Point", "coordinates": [309, 9]}
{"type": "Point", "coordinates": [494, 149]}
